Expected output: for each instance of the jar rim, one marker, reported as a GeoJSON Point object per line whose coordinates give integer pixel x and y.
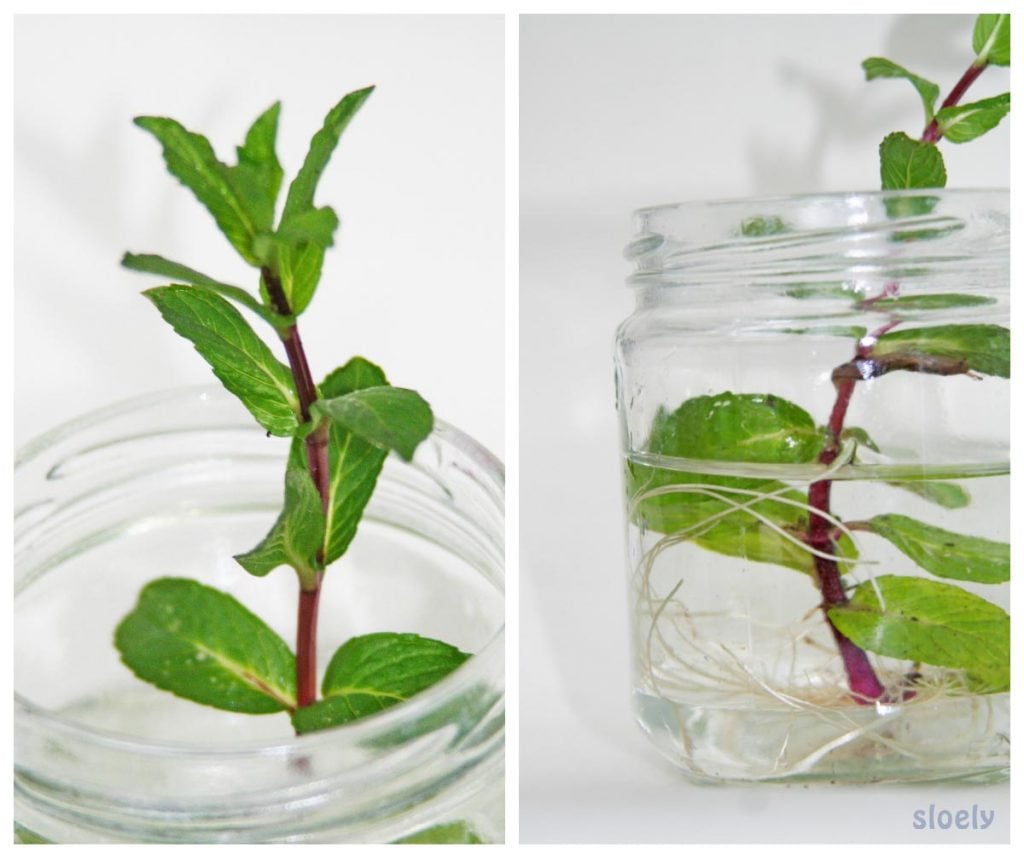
{"type": "Point", "coordinates": [824, 196]}
{"type": "Point", "coordinates": [470, 673]}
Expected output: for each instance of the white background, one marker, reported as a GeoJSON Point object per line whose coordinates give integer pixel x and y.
{"type": "Point", "coordinates": [415, 281]}
{"type": "Point", "coordinates": [627, 111]}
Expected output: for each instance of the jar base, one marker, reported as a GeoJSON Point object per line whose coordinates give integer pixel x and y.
{"type": "Point", "coordinates": [957, 740]}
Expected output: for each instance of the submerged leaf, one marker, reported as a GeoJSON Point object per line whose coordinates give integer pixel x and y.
{"type": "Point", "coordinates": [729, 514]}
{"type": "Point", "coordinates": [931, 622]}
{"type": "Point", "coordinates": [754, 227]}
{"type": "Point", "coordinates": [948, 495]}
{"type": "Point", "coordinates": [944, 301]}
{"type": "Point", "coordinates": [736, 427]}
{"type": "Point", "coordinates": [985, 348]}
{"type": "Point", "coordinates": [944, 553]}
{"type": "Point", "coordinates": [204, 645]}
{"type": "Point", "coordinates": [446, 832]}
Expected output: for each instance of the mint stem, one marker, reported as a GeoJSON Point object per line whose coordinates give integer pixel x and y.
{"type": "Point", "coordinates": [933, 133]}
{"type": "Point", "coordinates": [861, 677]}
{"type": "Point", "coordinates": [316, 454]}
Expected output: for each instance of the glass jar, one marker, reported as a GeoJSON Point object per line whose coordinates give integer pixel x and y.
{"type": "Point", "coordinates": [814, 412]}
{"type": "Point", "coordinates": [175, 484]}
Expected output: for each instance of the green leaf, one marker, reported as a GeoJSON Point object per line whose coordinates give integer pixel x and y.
{"type": "Point", "coordinates": [946, 301]}
{"type": "Point", "coordinates": [948, 495]}
{"type": "Point", "coordinates": [964, 122]}
{"type": "Point", "coordinates": [904, 206]}
{"type": "Point", "coordinates": [191, 159]}
{"type": "Point", "coordinates": [731, 427]}
{"type": "Point", "coordinates": [985, 348]}
{"type": "Point", "coordinates": [296, 251]}
{"type": "Point", "coordinates": [240, 359]}
{"type": "Point", "coordinates": [204, 645]}
{"type": "Point", "coordinates": [316, 225]}
{"type": "Point", "coordinates": [852, 331]}
{"type": "Point", "coordinates": [991, 39]}
{"type": "Point", "coordinates": [446, 832]}
{"type": "Point", "coordinates": [826, 290]}
{"type": "Point", "coordinates": [297, 535]}
{"type": "Point", "coordinates": [875, 67]}
{"type": "Point", "coordinates": [943, 553]}
{"type": "Point", "coordinates": [321, 147]}
{"type": "Point", "coordinates": [374, 672]}
{"type": "Point", "coordinates": [354, 463]}
{"type": "Point", "coordinates": [27, 835]}
{"type": "Point", "coordinates": [930, 622]}
{"type": "Point", "coordinates": [908, 163]}
{"type": "Point", "coordinates": [763, 225]}
{"type": "Point", "coordinates": [859, 435]}
{"type": "Point", "coordinates": [149, 263]}
{"type": "Point", "coordinates": [257, 178]}
{"type": "Point", "coordinates": [736, 427]}
{"type": "Point", "coordinates": [392, 418]}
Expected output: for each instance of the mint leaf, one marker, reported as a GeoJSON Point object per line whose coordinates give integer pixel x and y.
{"type": "Point", "coordinates": [257, 178]}
{"type": "Point", "coordinates": [875, 67]}
{"type": "Point", "coordinates": [315, 225]}
{"type": "Point", "coordinates": [908, 163]}
{"type": "Point", "coordinates": [916, 206]}
{"type": "Point", "coordinates": [736, 427]}
{"type": "Point", "coordinates": [991, 39]}
{"type": "Point", "coordinates": [985, 348]}
{"type": "Point", "coordinates": [948, 495]}
{"type": "Point", "coordinates": [321, 147]}
{"type": "Point", "coordinates": [931, 622]}
{"type": "Point", "coordinates": [297, 535]}
{"type": "Point", "coordinates": [240, 359]}
{"type": "Point", "coordinates": [297, 258]}
{"type": "Point", "coordinates": [191, 159]}
{"type": "Point", "coordinates": [763, 225]}
{"type": "Point", "coordinates": [964, 122]}
{"type": "Point", "coordinates": [27, 835]}
{"type": "Point", "coordinates": [204, 645]}
{"type": "Point", "coordinates": [446, 832]}
{"type": "Point", "coordinates": [374, 672]}
{"type": "Point", "coordinates": [730, 427]}
{"type": "Point", "coordinates": [149, 263]}
{"type": "Point", "coordinates": [392, 418]}
{"type": "Point", "coordinates": [943, 553]}
{"type": "Point", "coordinates": [354, 463]}
{"type": "Point", "coordinates": [859, 435]}
{"type": "Point", "coordinates": [296, 251]}
{"type": "Point", "coordinates": [946, 301]}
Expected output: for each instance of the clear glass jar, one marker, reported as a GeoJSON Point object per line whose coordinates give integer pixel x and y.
{"type": "Point", "coordinates": [175, 484]}
{"type": "Point", "coordinates": [742, 534]}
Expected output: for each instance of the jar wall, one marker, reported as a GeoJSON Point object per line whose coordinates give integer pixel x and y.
{"type": "Point", "coordinates": [176, 484]}
{"type": "Point", "coordinates": [737, 675]}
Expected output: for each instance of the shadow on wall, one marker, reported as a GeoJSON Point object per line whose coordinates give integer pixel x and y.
{"type": "Point", "coordinates": [847, 115]}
